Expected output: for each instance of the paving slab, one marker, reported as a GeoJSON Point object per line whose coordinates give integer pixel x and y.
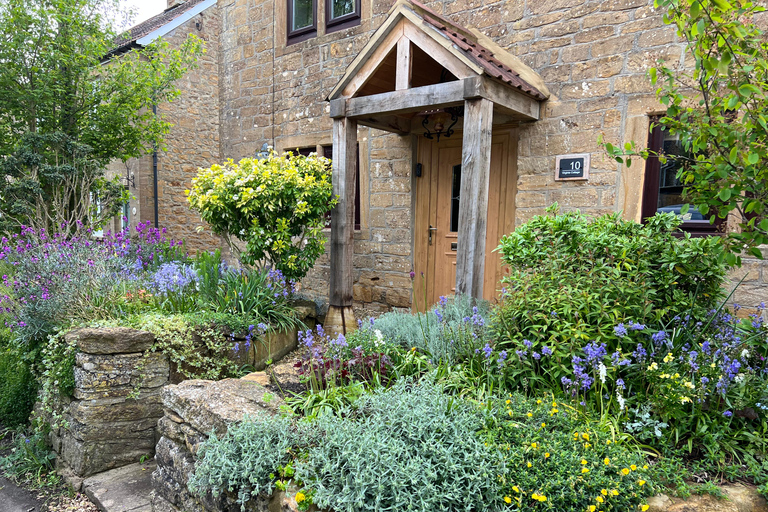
{"type": "Point", "coordinates": [123, 489]}
{"type": "Point", "coordinates": [16, 499]}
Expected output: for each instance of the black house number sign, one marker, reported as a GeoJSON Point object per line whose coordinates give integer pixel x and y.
{"type": "Point", "coordinates": [572, 167]}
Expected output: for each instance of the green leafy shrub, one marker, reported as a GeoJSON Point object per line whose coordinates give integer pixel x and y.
{"type": "Point", "coordinates": [276, 206]}
{"type": "Point", "coordinates": [18, 388]}
{"type": "Point", "coordinates": [245, 458]}
{"type": "Point", "coordinates": [30, 460]}
{"type": "Point", "coordinates": [573, 280]}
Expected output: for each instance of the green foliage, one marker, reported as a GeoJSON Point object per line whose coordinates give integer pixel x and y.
{"type": "Point", "coordinates": [558, 460]}
{"type": "Point", "coordinates": [441, 332]}
{"type": "Point", "coordinates": [412, 448]}
{"type": "Point", "coordinates": [276, 206]}
{"type": "Point", "coordinates": [30, 461]}
{"type": "Point", "coordinates": [572, 280]}
{"type": "Point", "coordinates": [245, 458]}
{"type": "Point", "coordinates": [723, 128]}
{"type": "Point", "coordinates": [18, 388]}
{"type": "Point", "coordinates": [64, 114]}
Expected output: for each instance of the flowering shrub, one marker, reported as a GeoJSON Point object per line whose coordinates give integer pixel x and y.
{"type": "Point", "coordinates": [174, 284]}
{"type": "Point", "coordinates": [572, 280]}
{"type": "Point", "coordinates": [276, 206]}
{"type": "Point", "coordinates": [329, 362]}
{"type": "Point", "coordinates": [54, 279]}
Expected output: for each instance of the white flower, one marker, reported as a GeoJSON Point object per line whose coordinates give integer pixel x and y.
{"type": "Point", "coordinates": [740, 377]}
{"type": "Point", "coordinates": [379, 338]}
{"type": "Point", "coordinates": [621, 400]}
{"type": "Point", "coordinates": [745, 354]}
{"type": "Point", "coordinates": [602, 369]}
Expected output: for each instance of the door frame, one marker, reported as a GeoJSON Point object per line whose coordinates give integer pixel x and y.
{"type": "Point", "coordinates": [425, 213]}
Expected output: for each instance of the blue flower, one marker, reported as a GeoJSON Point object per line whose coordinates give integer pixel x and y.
{"type": "Point", "coordinates": [727, 414]}
{"type": "Point", "coordinates": [546, 351]}
{"type": "Point", "coordinates": [487, 350]}
{"type": "Point", "coordinates": [620, 330]}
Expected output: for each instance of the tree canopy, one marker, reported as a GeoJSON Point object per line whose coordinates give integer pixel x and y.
{"type": "Point", "coordinates": [718, 106]}
{"type": "Point", "coordinates": [67, 109]}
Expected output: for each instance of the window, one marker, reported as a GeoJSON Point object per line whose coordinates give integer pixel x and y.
{"type": "Point", "coordinates": [663, 192]}
{"type": "Point", "coordinates": [341, 14]}
{"type": "Point", "coordinates": [302, 20]}
{"type": "Point", "coordinates": [303, 14]}
{"type": "Point", "coordinates": [328, 153]}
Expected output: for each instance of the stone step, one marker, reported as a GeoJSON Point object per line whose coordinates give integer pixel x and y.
{"type": "Point", "coordinates": [123, 489]}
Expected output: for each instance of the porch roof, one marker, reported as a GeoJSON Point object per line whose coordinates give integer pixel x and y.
{"type": "Point", "coordinates": [419, 60]}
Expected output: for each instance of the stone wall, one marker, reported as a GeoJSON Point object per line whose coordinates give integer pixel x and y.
{"type": "Point", "coordinates": [750, 283]}
{"type": "Point", "coordinates": [104, 428]}
{"type": "Point", "coordinates": [193, 409]}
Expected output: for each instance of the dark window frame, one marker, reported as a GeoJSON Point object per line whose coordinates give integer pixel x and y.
{"type": "Point", "coordinates": [342, 22]}
{"type": "Point", "coordinates": [650, 198]}
{"type": "Point", "coordinates": [302, 34]}
{"type": "Point", "coordinates": [328, 153]}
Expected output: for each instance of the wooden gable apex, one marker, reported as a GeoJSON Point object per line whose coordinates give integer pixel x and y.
{"type": "Point", "coordinates": [418, 60]}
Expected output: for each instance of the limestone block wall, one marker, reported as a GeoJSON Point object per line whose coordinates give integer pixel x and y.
{"type": "Point", "coordinates": [193, 409]}
{"type": "Point", "coordinates": [750, 282]}
{"type": "Point", "coordinates": [104, 428]}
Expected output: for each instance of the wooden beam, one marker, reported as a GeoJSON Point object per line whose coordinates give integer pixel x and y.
{"type": "Point", "coordinates": [392, 124]}
{"type": "Point", "coordinates": [368, 67]}
{"type": "Point", "coordinates": [473, 206]}
{"type": "Point", "coordinates": [410, 100]}
{"type": "Point", "coordinates": [342, 215]}
{"type": "Point", "coordinates": [403, 74]}
{"type": "Point", "coordinates": [507, 99]}
{"type": "Point", "coordinates": [338, 108]}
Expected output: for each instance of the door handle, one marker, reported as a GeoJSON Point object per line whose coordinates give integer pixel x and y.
{"type": "Point", "coordinates": [430, 230]}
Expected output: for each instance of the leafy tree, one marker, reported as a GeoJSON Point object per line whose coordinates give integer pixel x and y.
{"type": "Point", "coordinates": [67, 109]}
{"type": "Point", "coordinates": [718, 106]}
{"type": "Point", "coordinates": [277, 206]}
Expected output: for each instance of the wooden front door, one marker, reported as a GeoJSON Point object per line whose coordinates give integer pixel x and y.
{"type": "Point", "coordinates": [438, 196]}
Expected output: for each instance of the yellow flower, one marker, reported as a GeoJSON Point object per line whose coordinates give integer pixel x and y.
{"type": "Point", "coordinates": [584, 471]}
{"type": "Point", "coordinates": [633, 467]}
{"type": "Point", "coordinates": [599, 499]}
{"type": "Point", "coordinates": [543, 425]}
{"type": "Point", "coordinates": [515, 488]}
{"type": "Point", "coordinates": [668, 357]}
{"type": "Point", "coordinates": [644, 507]}
{"type": "Point", "coordinates": [529, 464]}
{"type": "Point", "coordinates": [553, 412]}
{"type": "Point", "coordinates": [507, 499]}
{"type": "Point", "coordinates": [300, 497]}
{"type": "Point", "coordinates": [645, 467]}
{"type": "Point", "coordinates": [592, 508]}
{"type": "Point", "coordinates": [554, 404]}
{"type": "Point", "coordinates": [608, 442]}
{"type": "Point", "coordinates": [583, 462]}
{"type": "Point", "coordinates": [614, 492]}
{"type": "Point", "coordinates": [625, 471]}
{"type": "Point", "coordinates": [604, 492]}
{"type": "Point", "coordinates": [546, 455]}
{"type": "Point", "coordinates": [510, 413]}
{"type": "Point", "coordinates": [585, 436]}
{"type": "Point", "coordinates": [641, 482]}
{"type": "Point", "coordinates": [539, 497]}
{"type": "Point", "coordinates": [509, 401]}
{"type": "Point", "coordinates": [530, 415]}
{"type": "Point", "coordinates": [538, 402]}
{"type": "Point", "coordinates": [534, 445]}
{"type": "Point", "coordinates": [607, 461]}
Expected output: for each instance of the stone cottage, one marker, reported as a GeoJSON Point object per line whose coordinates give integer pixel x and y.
{"type": "Point", "coordinates": [449, 122]}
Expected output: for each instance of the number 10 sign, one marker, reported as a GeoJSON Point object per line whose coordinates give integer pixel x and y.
{"type": "Point", "coordinates": [572, 167]}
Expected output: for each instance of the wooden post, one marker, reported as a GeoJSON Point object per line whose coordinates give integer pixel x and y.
{"type": "Point", "coordinates": [403, 68]}
{"type": "Point", "coordinates": [340, 318]}
{"type": "Point", "coordinates": [473, 203]}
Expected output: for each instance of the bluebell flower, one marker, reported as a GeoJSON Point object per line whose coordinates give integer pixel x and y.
{"type": "Point", "coordinates": [546, 351]}
{"type": "Point", "coordinates": [487, 350]}
{"type": "Point", "coordinates": [620, 330]}
{"type": "Point", "coordinates": [536, 356]}
{"type": "Point", "coordinates": [727, 414]}
{"type": "Point", "coordinates": [620, 383]}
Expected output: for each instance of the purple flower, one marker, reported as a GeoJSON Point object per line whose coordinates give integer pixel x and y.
{"type": "Point", "coordinates": [727, 414]}
{"type": "Point", "coordinates": [502, 357]}
{"type": "Point", "coordinates": [546, 351]}
{"type": "Point", "coordinates": [527, 343]}
{"type": "Point", "coordinates": [659, 337]}
{"type": "Point", "coordinates": [487, 350]}
{"type": "Point", "coordinates": [620, 383]}
{"type": "Point", "coordinates": [536, 356]}
{"type": "Point", "coordinates": [620, 330]}
{"type": "Point", "coordinates": [636, 327]}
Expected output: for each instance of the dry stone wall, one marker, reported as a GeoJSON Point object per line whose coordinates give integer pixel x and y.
{"type": "Point", "coordinates": [104, 427]}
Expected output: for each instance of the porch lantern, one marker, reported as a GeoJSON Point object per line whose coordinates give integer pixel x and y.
{"type": "Point", "coordinates": [440, 117]}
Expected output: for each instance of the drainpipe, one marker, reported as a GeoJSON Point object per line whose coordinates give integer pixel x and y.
{"type": "Point", "coordinates": [154, 173]}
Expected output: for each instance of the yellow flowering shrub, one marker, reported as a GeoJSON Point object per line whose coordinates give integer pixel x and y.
{"type": "Point", "coordinates": [277, 206]}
